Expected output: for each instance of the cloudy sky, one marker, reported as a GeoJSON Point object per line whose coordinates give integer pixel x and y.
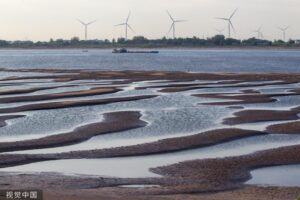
{"type": "Point", "coordinates": [44, 19]}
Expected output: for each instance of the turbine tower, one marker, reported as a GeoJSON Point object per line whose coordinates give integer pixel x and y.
{"type": "Point", "coordinates": [174, 24]}
{"type": "Point", "coordinates": [230, 25]}
{"type": "Point", "coordinates": [126, 25]}
{"type": "Point", "coordinates": [86, 27]}
{"type": "Point", "coordinates": [259, 33]}
{"type": "Point", "coordinates": [283, 31]}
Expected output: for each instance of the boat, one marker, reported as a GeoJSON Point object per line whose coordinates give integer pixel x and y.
{"type": "Point", "coordinates": [123, 50]}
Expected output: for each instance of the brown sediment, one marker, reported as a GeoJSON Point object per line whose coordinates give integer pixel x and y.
{"type": "Point", "coordinates": [30, 90]}
{"type": "Point", "coordinates": [236, 107]}
{"type": "Point", "coordinates": [155, 75]}
{"type": "Point", "coordinates": [253, 116]}
{"type": "Point", "coordinates": [218, 85]}
{"type": "Point", "coordinates": [205, 139]}
{"type": "Point", "coordinates": [113, 122]}
{"type": "Point", "coordinates": [3, 119]}
{"type": "Point", "coordinates": [230, 172]}
{"type": "Point", "coordinates": [184, 85]}
{"type": "Point", "coordinates": [199, 176]}
{"type": "Point", "coordinates": [248, 98]}
{"type": "Point", "coordinates": [109, 193]}
{"type": "Point", "coordinates": [286, 128]}
{"type": "Point", "coordinates": [69, 104]}
{"type": "Point", "coordinates": [169, 86]}
{"type": "Point", "coordinates": [81, 93]}
{"type": "Point", "coordinates": [237, 99]}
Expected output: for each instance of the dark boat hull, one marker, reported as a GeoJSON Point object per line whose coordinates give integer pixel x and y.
{"type": "Point", "coordinates": [126, 51]}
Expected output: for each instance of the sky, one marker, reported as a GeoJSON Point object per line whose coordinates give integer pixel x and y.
{"type": "Point", "coordinates": [44, 19]}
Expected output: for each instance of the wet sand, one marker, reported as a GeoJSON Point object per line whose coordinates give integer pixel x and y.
{"type": "Point", "coordinates": [252, 116]}
{"type": "Point", "coordinates": [290, 128]}
{"type": "Point", "coordinates": [207, 179]}
{"type": "Point", "coordinates": [74, 103]}
{"type": "Point", "coordinates": [113, 122]}
{"type": "Point", "coordinates": [82, 93]}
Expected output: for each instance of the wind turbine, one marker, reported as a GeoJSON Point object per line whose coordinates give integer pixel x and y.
{"type": "Point", "coordinates": [220, 31]}
{"type": "Point", "coordinates": [230, 25]}
{"type": "Point", "coordinates": [86, 27]}
{"type": "Point", "coordinates": [283, 31]}
{"type": "Point", "coordinates": [174, 24]}
{"type": "Point", "coordinates": [259, 33]}
{"type": "Point", "coordinates": [126, 25]}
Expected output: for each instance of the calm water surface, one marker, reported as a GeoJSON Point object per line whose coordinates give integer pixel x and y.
{"type": "Point", "coordinates": [172, 60]}
{"type": "Point", "coordinates": [286, 176]}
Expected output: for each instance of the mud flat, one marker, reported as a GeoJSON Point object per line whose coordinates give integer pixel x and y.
{"type": "Point", "coordinates": [91, 92]}
{"type": "Point", "coordinates": [68, 104]}
{"type": "Point", "coordinates": [252, 116]}
{"type": "Point", "coordinates": [113, 122]}
{"type": "Point", "coordinates": [209, 178]}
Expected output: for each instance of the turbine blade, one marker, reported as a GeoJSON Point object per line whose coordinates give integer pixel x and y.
{"type": "Point", "coordinates": [128, 17]}
{"type": "Point", "coordinates": [121, 24]}
{"type": "Point", "coordinates": [181, 21]}
{"type": "Point", "coordinates": [81, 22]}
{"type": "Point", "coordinates": [233, 13]}
{"type": "Point", "coordinates": [91, 22]}
{"type": "Point", "coordinates": [170, 16]}
{"type": "Point", "coordinates": [280, 28]}
{"type": "Point", "coordinates": [222, 18]}
{"type": "Point", "coordinates": [130, 28]}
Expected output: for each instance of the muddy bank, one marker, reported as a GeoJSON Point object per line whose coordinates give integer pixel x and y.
{"type": "Point", "coordinates": [287, 128]}
{"type": "Point", "coordinates": [156, 75]}
{"type": "Point", "coordinates": [205, 139]}
{"type": "Point", "coordinates": [185, 180]}
{"type": "Point", "coordinates": [113, 122]}
{"type": "Point", "coordinates": [74, 103]}
{"type": "Point", "coordinates": [30, 90]}
{"type": "Point", "coordinates": [173, 87]}
{"type": "Point", "coordinates": [237, 99]}
{"type": "Point", "coordinates": [230, 172]}
{"type": "Point", "coordinates": [246, 193]}
{"type": "Point", "coordinates": [189, 177]}
{"type": "Point", "coordinates": [81, 93]}
{"type": "Point", "coordinates": [218, 85]}
{"type": "Point", "coordinates": [249, 98]}
{"type": "Point", "coordinates": [252, 116]}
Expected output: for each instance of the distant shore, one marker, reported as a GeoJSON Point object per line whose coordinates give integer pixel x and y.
{"type": "Point", "coordinates": [217, 41]}
{"type": "Point", "coordinates": [162, 48]}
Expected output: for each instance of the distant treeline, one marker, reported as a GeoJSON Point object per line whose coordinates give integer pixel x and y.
{"type": "Point", "coordinates": [142, 42]}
